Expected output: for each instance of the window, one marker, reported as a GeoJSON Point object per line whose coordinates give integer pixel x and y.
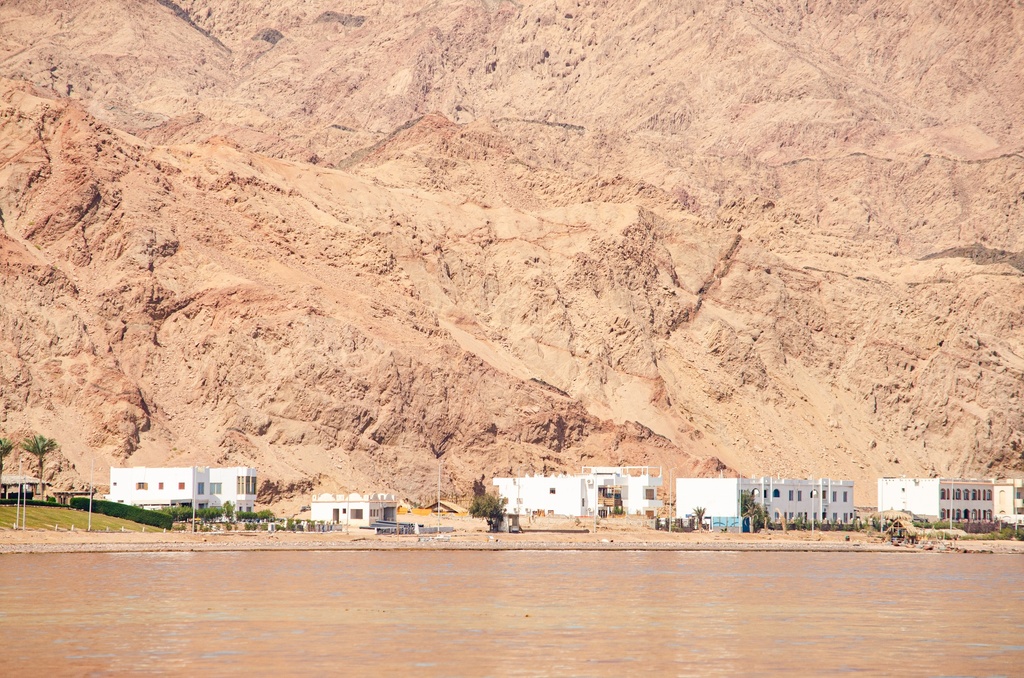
{"type": "Point", "coordinates": [357, 514]}
{"type": "Point", "coordinates": [799, 495]}
{"type": "Point", "coordinates": [974, 495]}
{"type": "Point", "coordinates": [988, 495]}
{"type": "Point", "coordinates": [956, 493]}
{"type": "Point", "coordinates": [215, 488]}
{"type": "Point", "coordinates": [160, 486]}
{"type": "Point", "coordinates": [648, 493]}
{"type": "Point", "coordinates": [551, 491]}
{"type": "Point", "coordinates": [835, 517]}
{"type": "Point", "coordinates": [942, 494]}
{"type": "Point", "coordinates": [141, 486]}
{"type": "Point", "coordinates": [942, 514]}
{"type": "Point", "coordinates": [181, 486]}
{"type": "Point", "coordinates": [791, 497]}
{"type": "Point", "coordinates": [844, 496]}
{"type": "Point", "coordinates": [834, 495]}
{"type": "Point", "coordinates": [776, 494]}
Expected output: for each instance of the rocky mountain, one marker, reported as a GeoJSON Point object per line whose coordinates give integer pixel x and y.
{"type": "Point", "coordinates": [340, 240]}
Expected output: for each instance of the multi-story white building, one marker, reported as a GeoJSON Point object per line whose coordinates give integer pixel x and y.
{"type": "Point", "coordinates": [954, 499]}
{"type": "Point", "coordinates": [355, 510]}
{"type": "Point", "coordinates": [1008, 500]}
{"type": "Point", "coordinates": [822, 499]}
{"type": "Point", "coordinates": [206, 486]}
{"type": "Point", "coordinates": [632, 490]}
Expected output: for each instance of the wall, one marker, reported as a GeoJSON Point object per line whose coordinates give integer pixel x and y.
{"type": "Point", "coordinates": [719, 496]}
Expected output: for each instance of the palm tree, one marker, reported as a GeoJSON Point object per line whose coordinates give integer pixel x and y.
{"type": "Point", "coordinates": [39, 446]}
{"type": "Point", "coordinates": [5, 448]}
{"type": "Point", "coordinates": [698, 517]}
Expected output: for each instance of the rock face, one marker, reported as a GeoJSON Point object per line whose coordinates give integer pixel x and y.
{"type": "Point", "coordinates": [339, 245]}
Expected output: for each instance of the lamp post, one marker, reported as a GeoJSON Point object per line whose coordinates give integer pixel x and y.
{"type": "Point", "coordinates": [671, 506]}
{"type": "Point", "coordinates": [92, 468]}
{"type": "Point", "coordinates": [193, 499]}
{"type": "Point", "coordinates": [439, 496]}
{"type": "Point", "coordinates": [17, 505]}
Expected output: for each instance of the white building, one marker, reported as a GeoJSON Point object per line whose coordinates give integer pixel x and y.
{"type": "Point", "coordinates": [822, 499]}
{"type": "Point", "coordinates": [631, 490]}
{"type": "Point", "coordinates": [1008, 500]}
{"type": "Point", "coordinates": [355, 510]}
{"type": "Point", "coordinates": [208, 487]}
{"type": "Point", "coordinates": [954, 499]}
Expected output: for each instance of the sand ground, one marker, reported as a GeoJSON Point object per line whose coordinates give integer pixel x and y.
{"type": "Point", "coordinates": [469, 534]}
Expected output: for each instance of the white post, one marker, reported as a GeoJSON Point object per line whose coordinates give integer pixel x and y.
{"type": "Point", "coordinates": [193, 499]}
{"type": "Point", "coordinates": [439, 496]}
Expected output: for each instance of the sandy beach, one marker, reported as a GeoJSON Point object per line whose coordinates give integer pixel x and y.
{"type": "Point", "coordinates": [469, 535]}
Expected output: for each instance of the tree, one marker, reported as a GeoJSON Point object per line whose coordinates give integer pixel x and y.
{"type": "Point", "coordinates": [5, 448]}
{"type": "Point", "coordinates": [698, 517]}
{"type": "Point", "coordinates": [750, 508]}
{"type": "Point", "coordinates": [40, 446]}
{"type": "Point", "coordinates": [229, 510]}
{"type": "Point", "coordinates": [490, 507]}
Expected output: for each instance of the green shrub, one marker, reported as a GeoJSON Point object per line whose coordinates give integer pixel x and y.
{"type": "Point", "coordinates": [30, 502]}
{"type": "Point", "coordinates": [210, 513]}
{"type": "Point", "coordinates": [126, 511]}
{"type": "Point", "coordinates": [179, 514]}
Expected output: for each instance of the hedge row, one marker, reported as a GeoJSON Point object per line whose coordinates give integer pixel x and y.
{"type": "Point", "coordinates": [31, 502]}
{"type": "Point", "coordinates": [126, 511]}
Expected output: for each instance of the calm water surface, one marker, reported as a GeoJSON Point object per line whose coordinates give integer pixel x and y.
{"type": "Point", "coordinates": [512, 613]}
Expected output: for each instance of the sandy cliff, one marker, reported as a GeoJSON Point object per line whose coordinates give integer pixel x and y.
{"type": "Point", "coordinates": [338, 242]}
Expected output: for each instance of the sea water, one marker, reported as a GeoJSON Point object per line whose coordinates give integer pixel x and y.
{"type": "Point", "coordinates": [512, 613]}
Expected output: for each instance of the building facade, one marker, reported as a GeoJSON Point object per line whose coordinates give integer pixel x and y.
{"type": "Point", "coordinates": [355, 510]}
{"type": "Point", "coordinates": [205, 486]}
{"type": "Point", "coordinates": [600, 490]}
{"type": "Point", "coordinates": [822, 499]}
{"type": "Point", "coordinates": [1008, 500]}
{"type": "Point", "coordinates": [959, 500]}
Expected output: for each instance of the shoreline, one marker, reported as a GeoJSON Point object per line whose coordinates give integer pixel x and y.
{"type": "Point", "coordinates": [46, 541]}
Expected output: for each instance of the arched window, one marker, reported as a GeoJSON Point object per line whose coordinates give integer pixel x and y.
{"type": "Point", "coordinates": [956, 515]}
{"type": "Point", "coordinates": [775, 494]}
{"type": "Point", "coordinates": [974, 514]}
{"type": "Point", "coordinates": [942, 493]}
{"type": "Point", "coordinates": [974, 495]}
{"type": "Point", "coordinates": [755, 492]}
{"type": "Point", "coordinates": [942, 513]}
{"type": "Point", "coordinates": [988, 495]}
{"type": "Point", "coordinates": [956, 493]}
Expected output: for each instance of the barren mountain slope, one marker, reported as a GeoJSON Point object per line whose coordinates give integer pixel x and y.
{"type": "Point", "coordinates": [326, 239]}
